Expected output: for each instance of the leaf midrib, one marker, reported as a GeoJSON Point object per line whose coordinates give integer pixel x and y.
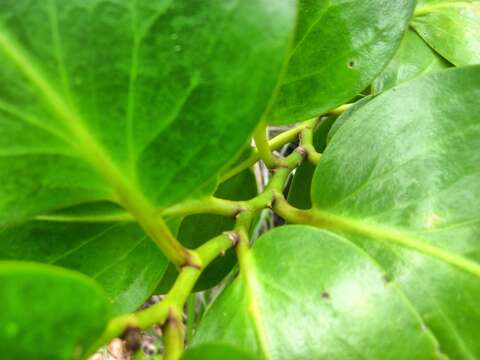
{"type": "Point", "coordinates": [325, 219]}
{"type": "Point", "coordinates": [253, 290]}
{"type": "Point", "coordinates": [87, 145]}
{"type": "Point", "coordinates": [398, 289]}
{"type": "Point", "coordinates": [250, 279]}
{"type": "Point", "coordinates": [403, 294]}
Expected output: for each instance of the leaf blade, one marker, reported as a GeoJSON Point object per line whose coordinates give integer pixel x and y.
{"type": "Point", "coordinates": [452, 29]}
{"type": "Point", "coordinates": [420, 179]}
{"type": "Point", "coordinates": [113, 107]}
{"type": "Point", "coordinates": [342, 41]}
{"type": "Point", "coordinates": [412, 59]}
{"type": "Point", "coordinates": [314, 308]}
{"type": "Point", "coordinates": [96, 240]}
{"type": "Point", "coordinates": [59, 326]}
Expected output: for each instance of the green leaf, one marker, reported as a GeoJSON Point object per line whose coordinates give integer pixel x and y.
{"type": "Point", "coordinates": [48, 313]}
{"type": "Point", "coordinates": [412, 59]}
{"type": "Point", "coordinates": [408, 160]}
{"type": "Point", "coordinates": [309, 294]}
{"type": "Point", "coordinates": [339, 48]}
{"type": "Point", "coordinates": [100, 101]}
{"type": "Point", "coordinates": [452, 28]}
{"type": "Point", "coordinates": [344, 117]}
{"type": "Point", "coordinates": [197, 229]}
{"type": "Point", "coordinates": [215, 352]}
{"type": "Point", "coordinates": [97, 240]}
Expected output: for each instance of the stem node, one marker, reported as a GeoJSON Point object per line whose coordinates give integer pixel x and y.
{"type": "Point", "coordinates": [233, 236]}
{"type": "Point", "coordinates": [302, 151]}
{"type": "Point", "coordinates": [192, 260]}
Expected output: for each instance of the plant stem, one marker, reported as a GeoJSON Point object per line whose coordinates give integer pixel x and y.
{"type": "Point", "coordinates": [274, 144]}
{"type": "Point", "coordinates": [173, 335]}
{"type": "Point", "coordinates": [209, 204]}
{"type": "Point", "coordinates": [203, 255]}
{"type": "Point", "coordinates": [339, 110]}
{"type": "Point", "coordinates": [312, 155]}
{"type": "Point", "coordinates": [176, 297]}
{"type": "Point", "coordinates": [263, 147]}
{"type": "Point", "coordinates": [216, 246]}
{"type": "Point", "coordinates": [307, 143]}
{"type": "Point", "coordinates": [156, 227]}
{"type": "Point", "coordinates": [327, 220]}
{"type": "Point", "coordinates": [213, 205]}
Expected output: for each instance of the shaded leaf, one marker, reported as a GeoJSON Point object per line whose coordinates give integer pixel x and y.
{"type": "Point", "coordinates": [48, 313]}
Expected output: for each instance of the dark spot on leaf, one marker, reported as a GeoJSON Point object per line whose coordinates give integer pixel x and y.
{"type": "Point", "coordinates": [351, 64]}
{"type": "Point", "coordinates": [325, 295]}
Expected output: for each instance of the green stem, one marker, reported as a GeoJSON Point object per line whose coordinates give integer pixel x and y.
{"type": "Point", "coordinates": [211, 205]}
{"type": "Point", "coordinates": [312, 155]}
{"type": "Point", "coordinates": [263, 147]}
{"type": "Point", "coordinates": [306, 142]}
{"type": "Point", "coordinates": [176, 297]}
{"type": "Point", "coordinates": [158, 230]}
{"type": "Point", "coordinates": [274, 144]}
{"type": "Point", "coordinates": [327, 220]}
{"type": "Point", "coordinates": [203, 255]}
{"type": "Point", "coordinates": [216, 246]}
{"type": "Point", "coordinates": [173, 338]}
{"type": "Point", "coordinates": [339, 110]}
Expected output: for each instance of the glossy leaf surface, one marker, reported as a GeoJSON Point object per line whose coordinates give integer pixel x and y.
{"type": "Point", "coordinates": [60, 326]}
{"type": "Point", "coordinates": [339, 48]}
{"type": "Point", "coordinates": [409, 160]}
{"type": "Point", "coordinates": [310, 294]}
{"type": "Point", "coordinates": [452, 28]}
{"type": "Point", "coordinates": [99, 89]}
{"type": "Point", "coordinates": [412, 59]}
